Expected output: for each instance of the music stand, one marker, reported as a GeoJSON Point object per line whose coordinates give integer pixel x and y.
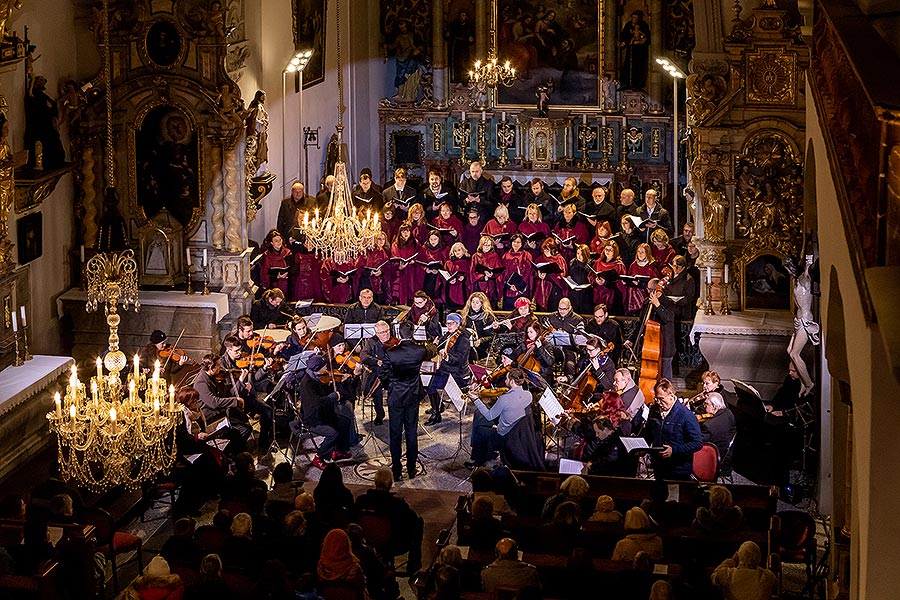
{"type": "Point", "coordinates": [269, 401]}
{"type": "Point", "coordinates": [358, 331]}
{"type": "Point", "coordinates": [560, 338]}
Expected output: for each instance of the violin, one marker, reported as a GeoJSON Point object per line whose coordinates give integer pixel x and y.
{"type": "Point", "coordinates": [254, 360]}
{"type": "Point", "coordinates": [391, 343]}
{"type": "Point", "coordinates": [172, 353]}
{"type": "Point", "coordinates": [348, 359]}
{"type": "Point", "coordinates": [265, 342]}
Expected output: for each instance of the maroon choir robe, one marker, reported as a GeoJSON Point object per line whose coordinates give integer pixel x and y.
{"type": "Point", "coordinates": [528, 228]}
{"type": "Point", "coordinates": [493, 227]}
{"type": "Point", "coordinates": [452, 223]}
{"type": "Point", "coordinates": [420, 231]}
{"type": "Point", "coordinates": [544, 288]}
{"type": "Point", "coordinates": [407, 278]}
{"type": "Point", "coordinates": [390, 228]}
{"type": "Point", "coordinates": [433, 283]}
{"type": "Point", "coordinates": [479, 282]}
{"type": "Point", "coordinates": [471, 234]}
{"type": "Point", "coordinates": [566, 230]}
{"type": "Point", "coordinates": [634, 300]}
{"type": "Point", "coordinates": [662, 257]}
{"type": "Point", "coordinates": [334, 291]}
{"type": "Point", "coordinates": [271, 260]}
{"type": "Point", "coordinates": [611, 293]}
{"type": "Point", "coordinates": [306, 283]}
{"type": "Point", "coordinates": [517, 262]}
{"type": "Point", "coordinates": [458, 286]}
{"type": "Point", "coordinates": [365, 275]}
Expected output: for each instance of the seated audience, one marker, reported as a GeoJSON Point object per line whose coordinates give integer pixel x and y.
{"type": "Point", "coordinates": [572, 488]}
{"type": "Point", "coordinates": [605, 511]}
{"type": "Point", "coordinates": [742, 578]}
{"type": "Point", "coordinates": [721, 516]}
{"type": "Point", "coordinates": [338, 565]}
{"type": "Point", "coordinates": [507, 571]}
{"type": "Point", "coordinates": [662, 511]}
{"type": "Point", "coordinates": [334, 502]}
{"type": "Point", "coordinates": [639, 536]}
{"type": "Point", "coordinates": [181, 549]}
{"type": "Point", "coordinates": [563, 533]}
{"type": "Point", "coordinates": [157, 583]}
{"type": "Point", "coordinates": [210, 584]}
{"type": "Point", "coordinates": [381, 581]}
{"type": "Point", "coordinates": [407, 526]}
{"type": "Point", "coordinates": [449, 557]}
{"type": "Point", "coordinates": [483, 531]}
{"type": "Point", "coordinates": [484, 486]}
{"type": "Point", "coordinates": [241, 551]}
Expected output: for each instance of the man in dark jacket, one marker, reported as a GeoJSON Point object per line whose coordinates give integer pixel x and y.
{"type": "Point", "coordinates": [404, 394]}
{"type": "Point", "coordinates": [407, 526]}
{"type": "Point", "coordinates": [364, 311]}
{"type": "Point", "coordinates": [323, 415]}
{"type": "Point", "coordinates": [684, 287]}
{"type": "Point", "coordinates": [290, 211]}
{"type": "Point", "coordinates": [376, 378]}
{"type": "Point", "coordinates": [664, 313]}
{"type": "Point", "coordinates": [676, 430]}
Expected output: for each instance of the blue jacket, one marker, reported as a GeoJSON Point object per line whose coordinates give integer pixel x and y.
{"type": "Point", "coordinates": [680, 430]}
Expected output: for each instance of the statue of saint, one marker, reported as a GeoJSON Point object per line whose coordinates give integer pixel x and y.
{"type": "Point", "coordinates": [806, 329]}
{"type": "Point", "coordinates": [713, 210]}
{"type": "Point", "coordinates": [407, 49]}
{"type": "Point", "coordinates": [258, 131]}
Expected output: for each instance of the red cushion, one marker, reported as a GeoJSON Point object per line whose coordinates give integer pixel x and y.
{"type": "Point", "coordinates": [125, 542]}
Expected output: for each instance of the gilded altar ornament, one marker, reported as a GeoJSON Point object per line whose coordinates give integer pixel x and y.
{"type": "Point", "coordinates": [714, 208]}
{"type": "Point", "coordinates": [6, 8]}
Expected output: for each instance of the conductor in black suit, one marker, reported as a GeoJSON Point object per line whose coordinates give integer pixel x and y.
{"type": "Point", "coordinates": [404, 394]}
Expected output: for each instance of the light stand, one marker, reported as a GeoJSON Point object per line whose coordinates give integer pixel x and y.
{"type": "Point", "coordinates": [27, 354]}
{"type": "Point", "coordinates": [675, 73]}
{"type": "Point", "coordinates": [724, 310]}
{"type": "Point", "coordinates": [708, 308]}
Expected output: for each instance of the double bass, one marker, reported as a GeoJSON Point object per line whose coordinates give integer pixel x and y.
{"type": "Point", "coordinates": [651, 354]}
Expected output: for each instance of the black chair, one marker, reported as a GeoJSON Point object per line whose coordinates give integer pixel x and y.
{"type": "Point", "coordinates": [796, 539]}
{"type": "Point", "coordinates": [378, 531]}
{"type": "Point", "coordinates": [112, 543]}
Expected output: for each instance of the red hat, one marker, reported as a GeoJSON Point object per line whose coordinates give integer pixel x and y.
{"type": "Point", "coordinates": [522, 301]}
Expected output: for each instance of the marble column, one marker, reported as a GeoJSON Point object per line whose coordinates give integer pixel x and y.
{"type": "Point", "coordinates": [217, 203]}
{"type": "Point", "coordinates": [439, 69]}
{"type": "Point", "coordinates": [482, 18]}
{"type": "Point", "coordinates": [610, 15]}
{"type": "Point", "coordinates": [654, 73]}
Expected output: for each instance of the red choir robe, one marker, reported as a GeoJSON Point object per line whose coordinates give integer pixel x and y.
{"type": "Point", "coordinates": [662, 257]}
{"type": "Point", "coordinates": [420, 231]}
{"type": "Point", "coordinates": [611, 293]}
{"type": "Point", "coordinates": [517, 262]}
{"type": "Point", "coordinates": [365, 272]}
{"type": "Point", "coordinates": [478, 281]}
{"type": "Point", "coordinates": [335, 292]}
{"type": "Point", "coordinates": [433, 283]}
{"type": "Point", "coordinates": [452, 223]}
{"type": "Point", "coordinates": [565, 230]}
{"type": "Point", "coordinates": [407, 279]}
{"type": "Point", "coordinates": [597, 242]}
{"type": "Point", "coordinates": [529, 228]}
{"type": "Point", "coordinates": [494, 227]}
{"type": "Point", "coordinates": [458, 285]}
{"type": "Point", "coordinates": [306, 283]}
{"type": "Point", "coordinates": [551, 286]}
{"type": "Point", "coordinates": [390, 228]}
{"type": "Point", "coordinates": [636, 296]}
{"type": "Point", "coordinates": [270, 260]}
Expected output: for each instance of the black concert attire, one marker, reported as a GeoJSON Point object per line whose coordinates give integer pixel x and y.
{"type": "Point", "coordinates": [628, 243]}
{"type": "Point", "coordinates": [370, 200]}
{"type": "Point", "coordinates": [664, 314]}
{"type": "Point", "coordinates": [607, 456]}
{"type": "Point", "coordinates": [264, 314]}
{"type": "Point", "coordinates": [431, 202]}
{"type": "Point", "coordinates": [547, 203]}
{"type": "Point", "coordinates": [376, 379]}
{"type": "Point", "coordinates": [207, 471]}
{"type": "Point", "coordinates": [570, 324]}
{"type": "Point", "coordinates": [608, 331]}
{"type": "Point", "coordinates": [402, 199]}
{"type": "Point", "coordinates": [258, 379]}
{"type": "Point", "coordinates": [544, 354]}
{"type": "Point", "coordinates": [481, 323]}
{"type": "Point", "coordinates": [605, 211]}
{"type": "Point", "coordinates": [404, 395]}
{"type": "Point", "coordinates": [289, 216]}
{"type": "Point", "coordinates": [432, 324]}
{"type": "Point", "coordinates": [358, 314]}
{"type": "Point", "coordinates": [660, 215]}
{"type": "Point", "coordinates": [482, 188]}
{"type": "Point", "coordinates": [583, 299]}
{"type": "Point", "coordinates": [603, 372]}
{"type": "Point", "coordinates": [407, 525]}
{"type": "Point", "coordinates": [680, 430]}
{"type": "Point", "coordinates": [455, 365]}
{"type": "Point", "coordinates": [324, 414]}
{"type": "Point", "coordinates": [632, 209]}
{"type": "Point", "coordinates": [513, 203]}
{"type": "Point", "coordinates": [720, 430]}
{"type": "Point", "coordinates": [217, 401]}
{"type": "Point", "coordinates": [684, 285]}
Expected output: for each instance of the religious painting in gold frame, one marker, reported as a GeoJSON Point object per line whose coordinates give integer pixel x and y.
{"type": "Point", "coordinates": [763, 282]}
{"type": "Point", "coordinates": [542, 41]}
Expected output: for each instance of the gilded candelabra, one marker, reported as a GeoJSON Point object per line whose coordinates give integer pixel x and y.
{"type": "Point", "coordinates": [119, 433]}
{"type": "Point", "coordinates": [462, 133]}
{"type": "Point", "coordinates": [708, 307]}
{"type": "Point", "coordinates": [606, 144]}
{"type": "Point", "coordinates": [586, 135]}
{"type": "Point", "coordinates": [481, 140]}
{"type": "Point", "coordinates": [506, 136]}
{"type": "Point", "coordinates": [624, 167]}
{"type": "Point", "coordinates": [724, 310]}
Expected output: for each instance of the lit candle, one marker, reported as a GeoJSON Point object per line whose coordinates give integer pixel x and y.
{"type": "Point", "coordinates": [22, 312]}
{"type": "Point", "coordinates": [463, 115]}
{"type": "Point", "coordinates": [58, 401]}
{"type": "Point", "coordinates": [171, 398]}
{"type": "Point", "coordinates": [82, 254]}
{"type": "Point", "coordinates": [483, 115]}
{"type": "Point", "coordinates": [503, 116]}
{"type": "Point", "coordinates": [94, 391]}
{"type": "Point", "coordinates": [305, 219]}
{"type": "Point", "coordinates": [137, 366]}
{"type": "Point", "coordinates": [187, 252]}
{"type": "Point", "coordinates": [112, 419]}
{"type": "Point", "coordinates": [132, 390]}
{"type": "Point", "coordinates": [72, 414]}
{"type": "Point", "coordinates": [15, 322]}
{"type": "Point", "coordinates": [726, 273]}
{"type": "Point", "coordinates": [708, 274]}
{"type": "Point", "coordinates": [99, 368]}
{"type": "Point", "coordinates": [584, 118]}
{"type": "Point", "coordinates": [156, 370]}
{"type": "Point", "coordinates": [156, 410]}
{"type": "Point", "coordinates": [204, 257]}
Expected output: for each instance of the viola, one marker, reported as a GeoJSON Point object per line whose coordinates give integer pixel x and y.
{"type": "Point", "coordinates": [391, 343]}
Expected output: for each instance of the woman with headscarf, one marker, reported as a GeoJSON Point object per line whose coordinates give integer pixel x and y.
{"type": "Point", "coordinates": [339, 566]}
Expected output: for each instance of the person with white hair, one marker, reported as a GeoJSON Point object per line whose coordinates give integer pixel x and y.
{"type": "Point", "coordinates": [719, 428]}
{"type": "Point", "coordinates": [742, 578]}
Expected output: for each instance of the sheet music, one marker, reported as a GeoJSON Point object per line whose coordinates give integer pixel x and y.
{"type": "Point", "coordinates": [192, 458]}
{"type": "Point", "coordinates": [634, 443]}
{"type": "Point", "coordinates": [420, 334]}
{"type": "Point", "coordinates": [219, 443]}
{"type": "Point", "coordinates": [455, 394]}
{"type": "Point", "coordinates": [551, 406]}
{"type": "Point", "coordinates": [223, 423]}
{"type": "Point", "coordinates": [570, 467]}
{"type": "Point", "coordinates": [55, 534]}
{"type": "Point", "coordinates": [575, 286]}
{"type": "Point", "coordinates": [303, 303]}
{"type": "Point", "coordinates": [359, 330]}
{"type": "Point", "coordinates": [560, 338]}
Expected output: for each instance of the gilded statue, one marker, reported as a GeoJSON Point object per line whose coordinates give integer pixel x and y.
{"type": "Point", "coordinates": [714, 207]}
{"type": "Point", "coordinates": [6, 8]}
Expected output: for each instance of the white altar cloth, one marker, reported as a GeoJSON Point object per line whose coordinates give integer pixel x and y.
{"type": "Point", "coordinates": [17, 384]}
{"type": "Point", "coordinates": [215, 300]}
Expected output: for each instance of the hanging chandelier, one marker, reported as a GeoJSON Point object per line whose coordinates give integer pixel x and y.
{"type": "Point", "coordinates": [121, 433]}
{"type": "Point", "coordinates": [490, 73]}
{"type": "Point", "coordinates": [340, 233]}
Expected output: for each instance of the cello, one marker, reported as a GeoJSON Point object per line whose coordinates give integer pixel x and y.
{"type": "Point", "coordinates": [651, 355]}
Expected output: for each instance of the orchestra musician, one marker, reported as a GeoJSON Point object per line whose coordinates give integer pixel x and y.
{"type": "Point", "coordinates": [565, 320]}
{"type": "Point", "coordinates": [269, 311]}
{"type": "Point", "coordinates": [453, 356]}
{"type": "Point", "coordinates": [478, 317]}
{"type": "Point", "coordinates": [663, 312]}
{"type": "Point", "coordinates": [218, 400]}
{"type": "Point", "coordinates": [519, 318]}
{"type": "Point", "coordinates": [629, 392]}
{"type": "Point", "coordinates": [606, 329]}
{"type": "Point", "coordinates": [597, 363]}
{"type": "Point", "coordinates": [718, 428]}
{"type": "Point", "coordinates": [534, 346]}
{"type": "Point", "coordinates": [374, 355]}
{"type": "Point", "coordinates": [323, 413]}
{"type": "Point", "coordinates": [245, 382]}
{"type": "Point", "coordinates": [365, 310]}
{"type": "Point", "coordinates": [151, 353]}
{"type": "Point", "coordinates": [404, 394]}
{"type": "Point", "coordinates": [489, 438]}
{"type": "Point", "coordinates": [423, 313]}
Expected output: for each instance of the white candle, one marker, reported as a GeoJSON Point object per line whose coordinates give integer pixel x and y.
{"type": "Point", "coordinates": [132, 391]}
{"type": "Point", "coordinates": [584, 118]}
{"type": "Point", "coordinates": [22, 312]}
{"type": "Point", "coordinates": [708, 274]}
{"type": "Point", "coordinates": [463, 115]}
{"type": "Point", "coordinates": [187, 252]}
{"type": "Point", "coordinates": [15, 322]}
{"type": "Point", "coordinates": [137, 365]}
{"type": "Point", "coordinates": [603, 120]}
{"type": "Point", "coordinates": [171, 398]}
{"type": "Point", "coordinates": [156, 370]}
{"type": "Point", "coordinates": [112, 419]}
{"type": "Point", "coordinates": [72, 414]}
{"type": "Point", "coordinates": [204, 257]}
{"type": "Point", "coordinates": [483, 116]}
{"type": "Point", "coordinates": [503, 116]}
{"type": "Point", "coordinates": [99, 368]}
{"type": "Point", "coordinates": [58, 401]}
{"type": "Point", "coordinates": [726, 273]}
{"type": "Point", "coordinates": [82, 254]}
{"type": "Point", "coordinates": [94, 391]}
{"type": "Point", "coordinates": [156, 410]}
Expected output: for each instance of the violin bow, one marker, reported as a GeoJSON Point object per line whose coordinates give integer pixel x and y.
{"type": "Point", "coordinates": [165, 364]}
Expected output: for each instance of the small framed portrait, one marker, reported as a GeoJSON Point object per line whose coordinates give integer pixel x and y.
{"type": "Point", "coordinates": [163, 43]}
{"type": "Point", "coordinates": [30, 237]}
{"type": "Point", "coordinates": [765, 284]}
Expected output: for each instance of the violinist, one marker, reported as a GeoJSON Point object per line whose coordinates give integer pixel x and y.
{"type": "Point", "coordinates": [597, 363]}
{"type": "Point", "coordinates": [629, 392]}
{"type": "Point", "coordinates": [534, 353]}
{"type": "Point", "coordinates": [343, 366]}
{"type": "Point", "coordinates": [244, 382]}
{"type": "Point", "coordinates": [243, 330]}
{"type": "Point", "coordinates": [298, 340]}
{"type": "Point", "coordinates": [270, 312]}
{"type": "Point", "coordinates": [322, 413]}
{"type": "Point", "coordinates": [718, 427]}
{"type": "Point", "coordinates": [151, 353]}
{"type": "Point", "coordinates": [423, 313]}
{"type": "Point", "coordinates": [218, 400]}
{"type": "Point", "coordinates": [374, 355]}
{"type": "Point", "coordinates": [607, 329]}
{"type": "Point", "coordinates": [478, 316]}
{"type": "Point", "coordinates": [454, 362]}
{"type": "Point", "coordinates": [507, 410]}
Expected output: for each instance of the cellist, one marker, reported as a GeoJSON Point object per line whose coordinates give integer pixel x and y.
{"type": "Point", "coordinates": [595, 362]}
{"type": "Point", "coordinates": [663, 312]}
{"type": "Point", "coordinates": [534, 353]}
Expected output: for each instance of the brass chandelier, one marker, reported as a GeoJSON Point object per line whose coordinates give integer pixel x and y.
{"type": "Point", "coordinates": [119, 433]}
{"type": "Point", "coordinates": [340, 233]}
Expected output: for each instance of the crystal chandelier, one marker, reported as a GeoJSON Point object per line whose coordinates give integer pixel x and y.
{"type": "Point", "coordinates": [490, 73]}
{"type": "Point", "coordinates": [120, 433]}
{"type": "Point", "coordinates": [340, 233]}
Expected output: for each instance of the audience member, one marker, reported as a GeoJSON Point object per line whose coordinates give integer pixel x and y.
{"type": "Point", "coordinates": [661, 511]}
{"type": "Point", "coordinates": [338, 565]}
{"type": "Point", "coordinates": [483, 531]}
{"type": "Point", "coordinates": [721, 516]}
{"type": "Point", "coordinates": [381, 581]}
{"type": "Point", "coordinates": [742, 578]}
{"type": "Point", "coordinates": [156, 583]}
{"type": "Point", "coordinates": [562, 534]}
{"type": "Point", "coordinates": [605, 511]}
{"type": "Point", "coordinates": [407, 526]}
{"type": "Point", "coordinates": [334, 502]}
{"type": "Point", "coordinates": [508, 571]}
{"type": "Point", "coordinates": [210, 585]}
{"type": "Point", "coordinates": [483, 486]}
{"type": "Point", "coordinates": [572, 488]}
{"type": "Point", "coordinates": [241, 551]}
{"type": "Point", "coordinates": [181, 549]}
{"type": "Point", "coordinates": [639, 536]}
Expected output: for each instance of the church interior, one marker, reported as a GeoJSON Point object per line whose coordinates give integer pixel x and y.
{"type": "Point", "coordinates": [151, 150]}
